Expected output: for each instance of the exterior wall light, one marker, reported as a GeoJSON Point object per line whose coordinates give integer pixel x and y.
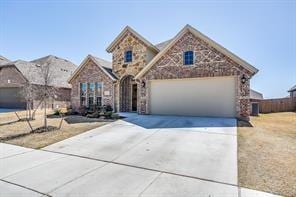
{"type": "Point", "coordinates": [244, 79]}
{"type": "Point", "coordinates": [143, 84]}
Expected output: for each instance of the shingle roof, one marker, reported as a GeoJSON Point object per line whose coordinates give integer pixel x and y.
{"type": "Point", "coordinates": [162, 45]}
{"type": "Point", "coordinates": [126, 30]}
{"type": "Point", "coordinates": [255, 95]}
{"type": "Point", "coordinates": [103, 62]}
{"type": "Point", "coordinates": [292, 89]}
{"type": "Point", "coordinates": [107, 66]}
{"type": "Point", "coordinates": [61, 69]}
{"type": "Point", "coordinates": [4, 60]}
{"type": "Point", "coordinates": [29, 70]}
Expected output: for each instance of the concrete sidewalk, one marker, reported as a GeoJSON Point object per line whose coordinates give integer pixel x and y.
{"type": "Point", "coordinates": [43, 173]}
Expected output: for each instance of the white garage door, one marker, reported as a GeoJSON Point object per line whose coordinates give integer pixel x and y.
{"type": "Point", "coordinates": [213, 96]}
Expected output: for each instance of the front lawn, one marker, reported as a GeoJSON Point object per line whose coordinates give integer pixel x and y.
{"type": "Point", "coordinates": [18, 132]}
{"type": "Point", "coordinates": [267, 153]}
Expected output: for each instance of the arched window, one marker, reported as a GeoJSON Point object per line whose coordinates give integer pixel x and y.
{"type": "Point", "coordinates": [188, 57]}
{"type": "Point", "coordinates": [128, 56]}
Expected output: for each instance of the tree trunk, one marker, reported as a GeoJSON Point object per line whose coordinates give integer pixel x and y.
{"type": "Point", "coordinates": [45, 117]}
{"type": "Point", "coordinates": [27, 108]}
{"type": "Point", "coordinates": [30, 115]}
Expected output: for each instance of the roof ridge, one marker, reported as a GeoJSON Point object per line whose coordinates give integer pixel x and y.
{"type": "Point", "coordinates": [131, 30]}
{"type": "Point", "coordinates": [195, 32]}
{"type": "Point", "coordinates": [100, 58]}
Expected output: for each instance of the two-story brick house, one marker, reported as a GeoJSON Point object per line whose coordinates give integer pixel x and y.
{"type": "Point", "coordinates": [189, 74]}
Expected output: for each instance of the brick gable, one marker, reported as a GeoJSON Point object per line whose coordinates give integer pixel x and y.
{"type": "Point", "coordinates": [91, 73]}
{"type": "Point", "coordinates": [209, 62]}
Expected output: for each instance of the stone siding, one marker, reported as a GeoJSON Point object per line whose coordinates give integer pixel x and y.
{"type": "Point", "coordinates": [208, 63]}
{"type": "Point", "coordinates": [120, 68]}
{"type": "Point", "coordinates": [91, 73]}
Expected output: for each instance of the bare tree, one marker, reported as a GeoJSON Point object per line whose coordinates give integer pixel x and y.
{"type": "Point", "coordinates": [46, 90]}
{"type": "Point", "coordinates": [29, 93]}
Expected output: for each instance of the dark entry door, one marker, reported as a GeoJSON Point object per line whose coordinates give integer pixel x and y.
{"type": "Point", "coordinates": [134, 97]}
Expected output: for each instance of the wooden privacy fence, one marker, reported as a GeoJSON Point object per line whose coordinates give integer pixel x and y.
{"type": "Point", "coordinates": [277, 105]}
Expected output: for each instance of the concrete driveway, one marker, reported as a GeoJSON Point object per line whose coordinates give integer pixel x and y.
{"type": "Point", "coordinates": [137, 156]}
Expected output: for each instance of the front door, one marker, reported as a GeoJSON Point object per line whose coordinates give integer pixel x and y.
{"type": "Point", "coordinates": [134, 97]}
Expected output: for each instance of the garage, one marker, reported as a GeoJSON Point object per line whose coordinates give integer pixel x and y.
{"type": "Point", "coordinates": [11, 98]}
{"type": "Point", "coordinates": [213, 96]}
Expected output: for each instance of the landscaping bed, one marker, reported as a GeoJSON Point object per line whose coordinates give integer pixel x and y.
{"type": "Point", "coordinates": [19, 133]}
{"type": "Point", "coordinates": [267, 153]}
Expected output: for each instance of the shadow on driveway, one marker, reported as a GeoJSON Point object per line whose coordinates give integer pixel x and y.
{"type": "Point", "coordinates": [159, 121]}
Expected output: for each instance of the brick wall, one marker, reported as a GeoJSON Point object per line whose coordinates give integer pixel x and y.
{"type": "Point", "coordinates": [91, 73]}
{"type": "Point", "coordinates": [208, 63]}
{"type": "Point", "coordinates": [11, 77]}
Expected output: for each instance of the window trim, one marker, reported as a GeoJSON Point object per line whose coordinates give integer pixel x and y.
{"type": "Point", "coordinates": [89, 92]}
{"type": "Point", "coordinates": [125, 56]}
{"type": "Point", "coordinates": [86, 97]}
{"type": "Point", "coordinates": [102, 93]}
{"type": "Point", "coordinates": [193, 58]}
{"type": "Point", "coordinates": [80, 94]}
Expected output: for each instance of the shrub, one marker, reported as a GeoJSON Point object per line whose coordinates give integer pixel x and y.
{"type": "Point", "coordinates": [108, 114]}
{"type": "Point", "coordinates": [68, 108]}
{"type": "Point", "coordinates": [108, 108]}
{"type": "Point", "coordinates": [57, 112]}
{"type": "Point", "coordinates": [94, 115]}
{"type": "Point", "coordinates": [82, 110]}
{"type": "Point", "coordinates": [115, 116]}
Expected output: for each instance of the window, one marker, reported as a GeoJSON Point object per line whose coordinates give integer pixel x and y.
{"type": "Point", "coordinates": [98, 94]}
{"type": "Point", "coordinates": [128, 56]}
{"type": "Point", "coordinates": [188, 57]}
{"type": "Point", "coordinates": [91, 94]}
{"type": "Point", "coordinates": [83, 94]}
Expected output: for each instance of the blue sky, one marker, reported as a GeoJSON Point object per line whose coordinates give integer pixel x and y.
{"type": "Point", "coordinates": [261, 32]}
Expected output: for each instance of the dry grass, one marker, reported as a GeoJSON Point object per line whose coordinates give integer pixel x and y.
{"type": "Point", "coordinates": [267, 153]}
{"type": "Point", "coordinates": [40, 140]}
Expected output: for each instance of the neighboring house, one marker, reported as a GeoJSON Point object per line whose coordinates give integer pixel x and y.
{"type": "Point", "coordinates": [3, 60]}
{"type": "Point", "coordinates": [14, 75]}
{"type": "Point", "coordinates": [255, 98]}
{"type": "Point", "coordinates": [292, 92]}
{"type": "Point", "coordinates": [188, 75]}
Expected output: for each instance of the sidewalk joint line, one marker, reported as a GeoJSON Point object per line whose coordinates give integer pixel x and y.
{"type": "Point", "coordinates": [144, 168]}
{"type": "Point", "coordinates": [25, 187]}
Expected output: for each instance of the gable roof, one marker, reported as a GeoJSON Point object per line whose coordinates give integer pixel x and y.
{"type": "Point", "coordinates": [292, 89]}
{"type": "Point", "coordinates": [60, 70]}
{"type": "Point", "coordinates": [127, 29]}
{"type": "Point", "coordinates": [255, 95]}
{"type": "Point", "coordinates": [3, 60]}
{"type": "Point", "coordinates": [30, 71]}
{"type": "Point", "coordinates": [162, 45]}
{"type": "Point", "coordinates": [203, 37]}
{"type": "Point", "coordinates": [104, 65]}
